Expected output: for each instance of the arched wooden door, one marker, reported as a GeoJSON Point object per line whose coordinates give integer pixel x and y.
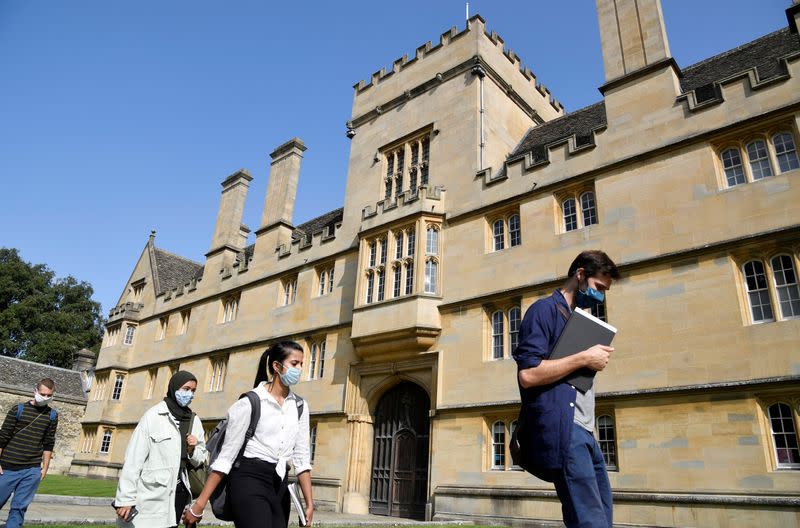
{"type": "Point", "coordinates": [400, 453]}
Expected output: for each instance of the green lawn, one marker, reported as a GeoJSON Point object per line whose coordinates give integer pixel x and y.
{"type": "Point", "coordinates": [64, 485]}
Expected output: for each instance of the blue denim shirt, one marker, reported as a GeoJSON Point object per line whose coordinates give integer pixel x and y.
{"type": "Point", "coordinates": [548, 410]}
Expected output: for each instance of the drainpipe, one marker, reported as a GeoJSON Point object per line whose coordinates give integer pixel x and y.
{"type": "Point", "coordinates": [481, 73]}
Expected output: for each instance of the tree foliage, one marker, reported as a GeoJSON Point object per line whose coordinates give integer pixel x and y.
{"type": "Point", "coordinates": [44, 318]}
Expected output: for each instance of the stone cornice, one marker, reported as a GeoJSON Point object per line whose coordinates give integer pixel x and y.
{"type": "Point", "coordinates": [669, 62]}
{"type": "Point", "coordinates": [294, 145]}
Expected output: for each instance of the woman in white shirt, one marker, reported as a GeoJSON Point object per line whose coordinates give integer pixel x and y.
{"type": "Point", "coordinates": [153, 488]}
{"type": "Point", "coordinates": [257, 487]}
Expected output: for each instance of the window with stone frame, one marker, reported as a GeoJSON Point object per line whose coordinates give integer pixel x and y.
{"type": "Point", "coordinates": [163, 327]}
{"type": "Point", "coordinates": [577, 208]}
{"type": "Point", "coordinates": [217, 369]}
{"type": "Point", "coordinates": [316, 366]}
{"type": "Point", "coordinates": [185, 316]}
{"type": "Point", "coordinates": [432, 250]}
{"type": "Point", "coordinates": [758, 155]}
{"type": "Point", "coordinates": [100, 385]}
{"type": "Point", "coordinates": [313, 441]}
{"type": "Point", "coordinates": [500, 429]}
{"type": "Point", "coordinates": [407, 165]}
{"type": "Point", "coordinates": [389, 259]}
{"type": "Point", "coordinates": [112, 335]}
{"type": "Point", "coordinates": [504, 322]}
{"type": "Point", "coordinates": [130, 333]}
{"type": "Point", "coordinates": [289, 287]}
{"type": "Point", "coordinates": [770, 286]}
{"type": "Point", "coordinates": [781, 414]}
{"type": "Point", "coordinates": [105, 442]}
{"type": "Point", "coordinates": [505, 230]}
{"type": "Point", "coordinates": [87, 440]}
{"type": "Point", "coordinates": [137, 290]}
{"type": "Point", "coordinates": [119, 382]}
{"type": "Point", "coordinates": [325, 279]}
{"type": "Point", "coordinates": [150, 383]}
{"type": "Point", "coordinates": [606, 431]}
{"type": "Point", "coordinates": [229, 308]}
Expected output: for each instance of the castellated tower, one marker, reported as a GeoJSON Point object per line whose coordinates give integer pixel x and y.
{"type": "Point", "coordinates": [470, 98]}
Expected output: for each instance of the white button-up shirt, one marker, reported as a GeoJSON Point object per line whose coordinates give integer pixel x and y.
{"type": "Point", "coordinates": [279, 437]}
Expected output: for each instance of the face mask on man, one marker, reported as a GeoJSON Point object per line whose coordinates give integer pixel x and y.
{"type": "Point", "coordinates": [39, 400]}
{"type": "Point", "coordinates": [588, 298]}
{"type": "Point", "coordinates": [290, 376]}
{"type": "Point", "coordinates": [184, 397]}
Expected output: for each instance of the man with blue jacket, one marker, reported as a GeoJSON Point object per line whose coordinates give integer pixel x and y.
{"type": "Point", "coordinates": [558, 420]}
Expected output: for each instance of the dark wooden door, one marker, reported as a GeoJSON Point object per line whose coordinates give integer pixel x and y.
{"type": "Point", "coordinates": [400, 453]}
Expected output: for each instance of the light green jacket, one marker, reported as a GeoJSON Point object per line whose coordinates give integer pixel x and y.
{"type": "Point", "coordinates": [150, 472]}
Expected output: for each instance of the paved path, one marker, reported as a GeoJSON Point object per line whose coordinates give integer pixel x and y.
{"type": "Point", "coordinates": [53, 509]}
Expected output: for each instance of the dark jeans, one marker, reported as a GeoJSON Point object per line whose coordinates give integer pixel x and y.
{"type": "Point", "coordinates": [582, 486]}
{"type": "Point", "coordinates": [258, 496]}
{"type": "Point", "coordinates": [182, 497]}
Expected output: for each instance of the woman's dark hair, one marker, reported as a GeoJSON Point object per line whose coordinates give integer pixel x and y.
{"type": "Point", "coordinates": [594, 262]}
{"type": "Point", "coordinates": [277, 352]}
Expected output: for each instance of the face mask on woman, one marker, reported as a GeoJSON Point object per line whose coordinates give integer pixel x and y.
{"type": "Point", "coordinates": [290, 376]}
{"type": "Point", "coordinates": [184, 397]}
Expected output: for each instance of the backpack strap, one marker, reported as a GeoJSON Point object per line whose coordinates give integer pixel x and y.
{"type": "Point", "coordinates": [301, 405]}
{"type": "Point", "coordinates": [255, 416]}
{"type": "Point", "coordinates": [20, 407]}
{"type": "Point", "coordinates": [561, 309]}
{"type": "Point", "coordinates": [53, 414]}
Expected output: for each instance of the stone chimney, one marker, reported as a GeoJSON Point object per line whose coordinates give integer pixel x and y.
{"type": "Point", "coordinates": [793, 16]}
{"type": "Point", "coordinates": [276, 220]}
{"type": "Point", "coordinates": [632, 36]}
{"type": "Point", "coordinates": [83, 360]}
{"type": "Point", "coordinates": [642, 79]}
{"type": "Point", "coordinates": [227, 232]}
{"type": "Point", "coordinates": [284, 173]}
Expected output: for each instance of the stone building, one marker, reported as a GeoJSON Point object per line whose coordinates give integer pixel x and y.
{"type": "Point", "coordinates": [18, 379]}
{"type": "Point", "coordinates": [468, 193]}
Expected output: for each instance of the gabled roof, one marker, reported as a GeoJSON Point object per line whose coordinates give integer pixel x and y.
{"type": "Point", "coordinates": [22, 375]}
{"type": "Point", "coordinates": [764, 54]}
{"type": "Point", "coordinates": [172, 270]}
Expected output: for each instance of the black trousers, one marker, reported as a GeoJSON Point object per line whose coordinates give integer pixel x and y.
{"type": "Point", "coordinates": [182, 497]}
{"type": "Point", "coordinates": [258, 496]}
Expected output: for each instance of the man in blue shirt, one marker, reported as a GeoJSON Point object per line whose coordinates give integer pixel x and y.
{"type": "Point", "coordinates": [557, 420]}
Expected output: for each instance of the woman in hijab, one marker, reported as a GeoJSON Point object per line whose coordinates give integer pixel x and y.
{"type": "Point", "coordinates": [153, 487]}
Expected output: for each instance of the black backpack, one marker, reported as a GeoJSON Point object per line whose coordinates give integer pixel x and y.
{"type": "Point", "coordinates": [219, 499]}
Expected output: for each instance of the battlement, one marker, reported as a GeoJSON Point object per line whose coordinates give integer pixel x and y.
{"type": "Point", "coordinates": [476, 26]}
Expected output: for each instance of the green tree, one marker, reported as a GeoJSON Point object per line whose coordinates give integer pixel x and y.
{"type": "Point", "coordinates": [44, 318]}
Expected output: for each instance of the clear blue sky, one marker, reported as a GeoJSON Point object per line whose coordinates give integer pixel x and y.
{"type": "Point", "coordinates": [121, 117]}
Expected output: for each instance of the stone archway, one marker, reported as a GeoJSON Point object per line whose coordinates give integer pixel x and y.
{"type": "Point", "coordinates": [399, 477]}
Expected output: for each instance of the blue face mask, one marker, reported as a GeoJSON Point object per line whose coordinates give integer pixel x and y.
{"type": "Point", "coordinates": [589, 298]}
{"type": "Point", "coordinates": [184, 397]}
{"type": "Point", "coordinates": [291, 376]}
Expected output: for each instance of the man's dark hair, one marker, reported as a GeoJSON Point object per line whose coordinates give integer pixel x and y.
{"type": "Point", "coordinates": [594, 262]}
{"type": "Point", "coordinates": [46, 382]}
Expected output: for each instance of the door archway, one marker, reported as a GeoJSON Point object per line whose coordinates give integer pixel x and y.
{"type": "Point", "coordinates": [399, 484]}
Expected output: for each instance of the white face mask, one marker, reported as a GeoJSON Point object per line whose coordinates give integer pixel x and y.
{"type": "Point", "coordinates": [40, 400]}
